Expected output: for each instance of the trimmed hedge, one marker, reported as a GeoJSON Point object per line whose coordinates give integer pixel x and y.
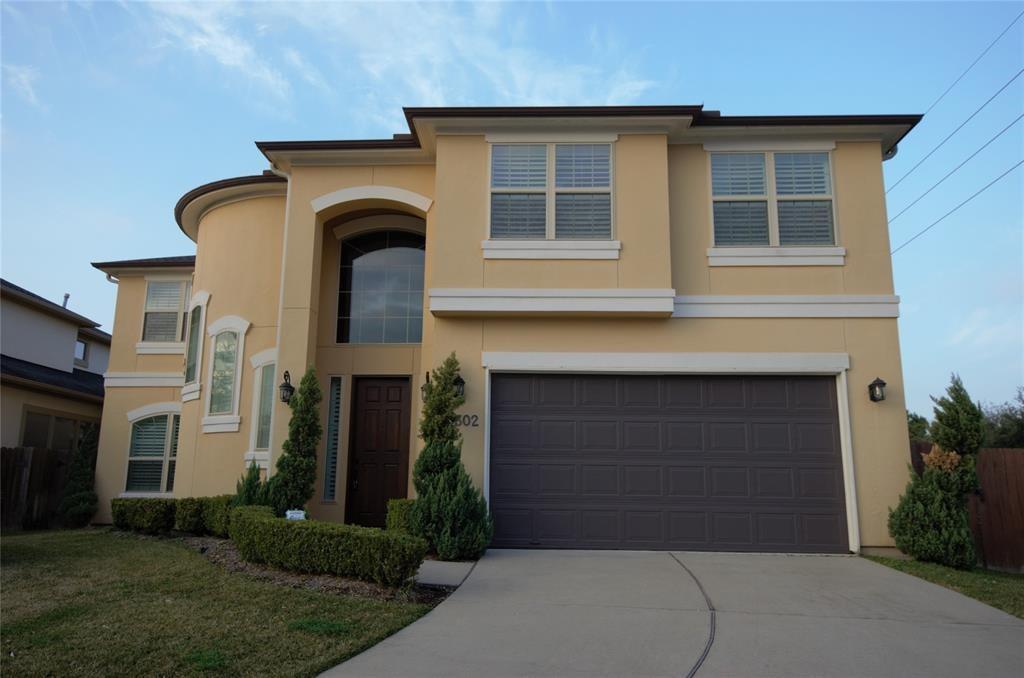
{"type": "Point", "coordinates": [150, 516]}
{"type": "Point", "coordinates": [366, 553]}
{"type": "Point", "coordinates": [217, 514]}
{"type": "Point", "coordinates": [398, 515]}
{"type": "Point", "coordinates": [188, 516]}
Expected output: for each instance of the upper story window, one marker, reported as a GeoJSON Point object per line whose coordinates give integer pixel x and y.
{"type": "Point", "coordinates": [223, 372]}
{"type": "Point", "coordinates": [380, 292]}
{"type": "Point", "coordinates": [81, 353]}
{"type": "Point", "coordinates": [194, 346]}
{"type": "Point", "coordinates": [772, 199]}
{"type": "Point", "coordinates": [152, 454]}
{"type": "Point", "coordinates": [551, 191]}
{"type": "Point", "coordinates": [166, 318]}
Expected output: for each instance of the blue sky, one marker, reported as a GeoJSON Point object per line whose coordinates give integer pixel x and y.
{"type": "Point", "coordinates": [111, 111]}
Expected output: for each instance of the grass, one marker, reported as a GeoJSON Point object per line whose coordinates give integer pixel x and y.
{"type": "Point", "coordinates": [97, 602]}
{"type": "Point", "coordinates": [998, 589]}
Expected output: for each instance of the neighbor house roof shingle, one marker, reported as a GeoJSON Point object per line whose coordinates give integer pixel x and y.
{"type": "Point", "coordinates": [78, 381]}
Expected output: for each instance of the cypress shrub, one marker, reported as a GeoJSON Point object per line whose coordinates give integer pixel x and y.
{"type": "Point", "coordinates": [383, 557]}
{"type": "Point", "coordinates": [293, 484]}
{"type": "Point", "coordinates": [959, 424]}
{"type": "Point", "coordinates": [398, 515]}
{"type": "Point", "coordinates": [439, 421]}
{"type": "Point", "coordinates": [251, 490]}
{"type": "Point", "coordinates": [80, 501]}
{"type": "Point", "coordinates": [465, 524]}
{"type": "Point", "coordinates": [931, 521]}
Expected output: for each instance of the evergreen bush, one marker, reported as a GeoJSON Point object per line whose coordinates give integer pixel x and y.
{"type": "Point", "coordinates": [251, 489]}
{"type": "Point", "coordinates": [439, 420]}
{"type": "Point", "coordinates": [931, 521]}
{"type": "Point", "coordinates": [465, 524]}
{"type": "Point", "coordinates": [217, 514]}
{"type": "Point", "coordinates": [188, 516]}
{"type": "Point", "coordinates": [149, 516]}
{"type": "Point", "coordinates": [959, 424]}
{"type": "Point", "coordinates": [293, 484]}
{"type": "Point", "coordinates": [398, 515]}
{"type": "Point", "coordinates": [80, 502]}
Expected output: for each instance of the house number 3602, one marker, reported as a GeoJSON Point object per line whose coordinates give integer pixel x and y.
{"type": "Point", "coordinates": [469, 420]}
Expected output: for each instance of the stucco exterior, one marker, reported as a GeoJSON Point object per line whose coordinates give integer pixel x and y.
{"type": "Point", "coordinates": [270, 255]}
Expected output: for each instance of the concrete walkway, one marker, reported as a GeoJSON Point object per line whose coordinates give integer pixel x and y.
{"type": "Point", "coordinates": [626, 613]}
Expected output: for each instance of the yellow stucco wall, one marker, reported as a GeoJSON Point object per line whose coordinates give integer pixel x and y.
{"type": "Point", "coordinates": [248, 249]}
{"type": "Point", "coordinates": [14, 401]}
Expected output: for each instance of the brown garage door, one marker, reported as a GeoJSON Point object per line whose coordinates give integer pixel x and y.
{"type": "Point", "coordinates": [721, 463]}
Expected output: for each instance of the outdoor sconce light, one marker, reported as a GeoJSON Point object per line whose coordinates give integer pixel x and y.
{"type": "Point", "coordinates": [425, 387]}
{"type": "Point", "coordinates": [286, 389]}
{"type": "Point", "coordinates": [460, 385]}
{"type": "Point", "coordinates": [876, 390]}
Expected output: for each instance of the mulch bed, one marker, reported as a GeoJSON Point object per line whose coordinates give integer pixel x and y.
{"type": "Point", "coordinates": [223, 553]}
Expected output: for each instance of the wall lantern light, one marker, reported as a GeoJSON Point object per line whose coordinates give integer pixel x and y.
{"type": "Point", "coordinates": [460, 385]}
{"type": "Point", "coordinates": [286, 389]}
{"type": "Point", "coordinates": [425, 387]}
{"type": "Point", "coordinates": [876, 391]}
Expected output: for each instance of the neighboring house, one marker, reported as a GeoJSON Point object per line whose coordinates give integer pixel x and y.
{"type": "Point", "coordinates": [667, 321]}
{"type": "Point", "coordinates": [51, 371]}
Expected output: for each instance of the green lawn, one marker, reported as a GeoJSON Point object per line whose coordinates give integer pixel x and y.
{"type": "Point", "coordinates": [998, 589]}
{"type": "Point", "coordinates": [96, 602]}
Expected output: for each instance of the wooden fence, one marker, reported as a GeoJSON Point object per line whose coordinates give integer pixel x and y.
{"type": "Point", "coordinates": [33, 481]}
{"type": "Point", "coordinates": [997, 511]}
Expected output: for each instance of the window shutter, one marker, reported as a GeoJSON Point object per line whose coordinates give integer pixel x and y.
{"type": "Point", "coordinates": [163, 296]}
{"type": "Point", "coordinates": [737, 174]}
{"type": "Point", "coordinates": [518, 215]}
{"type": "Point", "coordinates": [802, 174]}
{"type": "Point", "coordinates": [805, 222]}
{"type": "Point", "coordinates": [582, 165]}
{"type": "Point", "coordinates": [149, 437]}
{"type": "Point", "coordinates": [741, 223]}
{"type": "Point", "coordinates": [333, 437]}
{"type": "Point", "coordinates": [519, 166]}
{"type": "Point", "coordinates": [583, 215]}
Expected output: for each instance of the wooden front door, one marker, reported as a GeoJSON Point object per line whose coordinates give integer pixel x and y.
{"type": "Point", "coordinates": [378, 466]}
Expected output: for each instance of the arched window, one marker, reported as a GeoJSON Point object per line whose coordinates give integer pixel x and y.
{"type": "Point", "coordinates": [380, 296]}
{"type": "Point", "coordinates": [152, 454]}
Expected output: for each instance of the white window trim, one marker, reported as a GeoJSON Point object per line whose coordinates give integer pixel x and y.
{"type": "Point", "coordinates": [787, 306]}
{"type": "Point", "coordinates": [225, 423]}
{"type": "Point", "coordinates": [84, 360]}
{"type": "Point", "coordinates": [192, 389]}
{"type": "Point", "coordinates": [550, 189]}
{"type": "Point", "coordinates": [169, 409]}
{"type": "Point", "coordinates": [551, 249]}
{"type": "Point", "coordinates": [793, 255]}
{"type": "Point", "coordinates": [776, 256]}
{"type": "Point", "coordinates": [258, 362]}
{"type": "Point", "coordinates": [162, 347]}
{"type": "Point", "coordinates": [143, 379]}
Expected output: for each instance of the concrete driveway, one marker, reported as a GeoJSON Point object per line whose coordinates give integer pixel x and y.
{"type": "Point", "coordinates": [631, 613]}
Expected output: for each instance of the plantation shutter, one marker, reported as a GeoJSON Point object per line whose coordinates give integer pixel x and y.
{"type": "Point", "coordinates": [146, 454]}
{"type": "Point", "coordinates": [587, 213]}
{"type": "Point", "coordinates": [333, 438]}
{"type": "Point", "coordinates": [163, 304]}
{"type": "Point", "coordinates": [519, 166]}
{"type": "Point", "coordinates": [802, 174]}
{"type": "Point", "coordinates": [516, 210]}
{"type": "Point", "coordinates": [805, 222]}
{"type": "Point", "coordinates": [738, 174]}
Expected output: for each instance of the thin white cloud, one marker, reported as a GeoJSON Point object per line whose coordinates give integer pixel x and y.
{"type": "Point", "coordinates": [22, 80]}
{"type": "Point", "coordinates": [306, 70]}
{"type": "Point", "coordinates": [206, 28]}
{"type": "Point", "coordinates": [986, 328]}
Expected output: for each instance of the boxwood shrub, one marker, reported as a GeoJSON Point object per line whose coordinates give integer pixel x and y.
{"type": "Point", "coordinates": [188, 516]}
{"type": "Point", "coordinates": [370, 554]}
{"type": "Point", "coordinates": [150, 516]}
{"type": "Point", "coordinates": [217, 514]}
{"type": "Point", "coordinates": [398, 514]}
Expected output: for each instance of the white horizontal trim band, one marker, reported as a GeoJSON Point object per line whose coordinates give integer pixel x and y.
{"type": "Point", "coordinates": [788, 306]}
{"type": "Point", "coordinates": [142, 379]}
{"type": "Point", "coordinates": [154, 408]}
{"type": "Point", "coordinates": [526, 300]}
{"type": "Point", "coordinates": [159, 348]}
{"type": "Point", "coordinates": [776, 256]}
{"type": "Point", "coordinates": [683, 363]}
{"type": "Point", "coordinates": [221, 423]}
{"type": "Point", "coordinates": [550, 138]}
{"type": "Point", "coordinates": [784, 145]}
{"type": "Point", "coordinates": [190, 391]}
{"type": "Point", "coordinates": [551, 249]}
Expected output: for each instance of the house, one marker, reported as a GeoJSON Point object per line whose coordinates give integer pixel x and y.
{"type": "Point", "coordinates": [667, 320]}
{"type": "Point", "coordinates": [51, 371]}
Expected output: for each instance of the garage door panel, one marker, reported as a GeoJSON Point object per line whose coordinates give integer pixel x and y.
{"type": "Point", "coordinates": [675, 464]}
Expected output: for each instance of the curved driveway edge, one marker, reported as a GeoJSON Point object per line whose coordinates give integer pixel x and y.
{"type": "Point", "coordinates": [638, 613]}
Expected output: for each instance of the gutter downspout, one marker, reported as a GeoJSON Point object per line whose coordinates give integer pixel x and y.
{"type": "Point", "coordinates": [112, 279]}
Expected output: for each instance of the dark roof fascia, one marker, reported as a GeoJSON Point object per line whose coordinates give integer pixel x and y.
{"type": "Point", "coordinates": [184, 261]}
{"type": "Point", "coordinates": [45, 305]}
{"type": "Point", "coordinates": [200, 191]}
{"type": "Point", "coordinates": [910, 120]}
{"type": "Point", "coordinates": [97, 334]}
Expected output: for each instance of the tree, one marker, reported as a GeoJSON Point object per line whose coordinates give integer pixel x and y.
{"type": "Point", "coordinates": [251, 490]}
{"type": "Point", "coordinates": [1005, 423]}
{"type": "Point", "coordinates": [80, 501]}
{"type": "Point", "coordinates": [439, 421]}
{"type": "Point", "coordinates": [959, 424]}
{"type": "Point", "coordinates": [918, 428]}
{"type": "Point", "coordinates": [292, 486]}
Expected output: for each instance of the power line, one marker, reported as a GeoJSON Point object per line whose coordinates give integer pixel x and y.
{"type": "Point", "coordinates": [990, 46]}
{"type": "Point", "coordinates": [936, 222]}
{"type": "Point", "coordinates": [953, 171]}
{"type": "Point", "coordinates": [959, 127]}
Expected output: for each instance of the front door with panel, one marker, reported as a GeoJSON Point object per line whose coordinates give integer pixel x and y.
{"type": "Point", "coordinates": [378, 468]}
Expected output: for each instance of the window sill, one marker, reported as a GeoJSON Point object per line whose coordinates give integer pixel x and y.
{"type": "Point", "coordinates": [261, 457]}
{"type": "Point", "coordinates": [221, 423]}
{"type": "Point", "coordinates": [160, 348]}
{"type": "Point", "coordinates": [776, 256]}
{"type": "Point", "coordinates": [551, 249]}
{"type": "Point", "coordinates": [146, 495]}
{"type": "Point", "coordinates": [190, 392]}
